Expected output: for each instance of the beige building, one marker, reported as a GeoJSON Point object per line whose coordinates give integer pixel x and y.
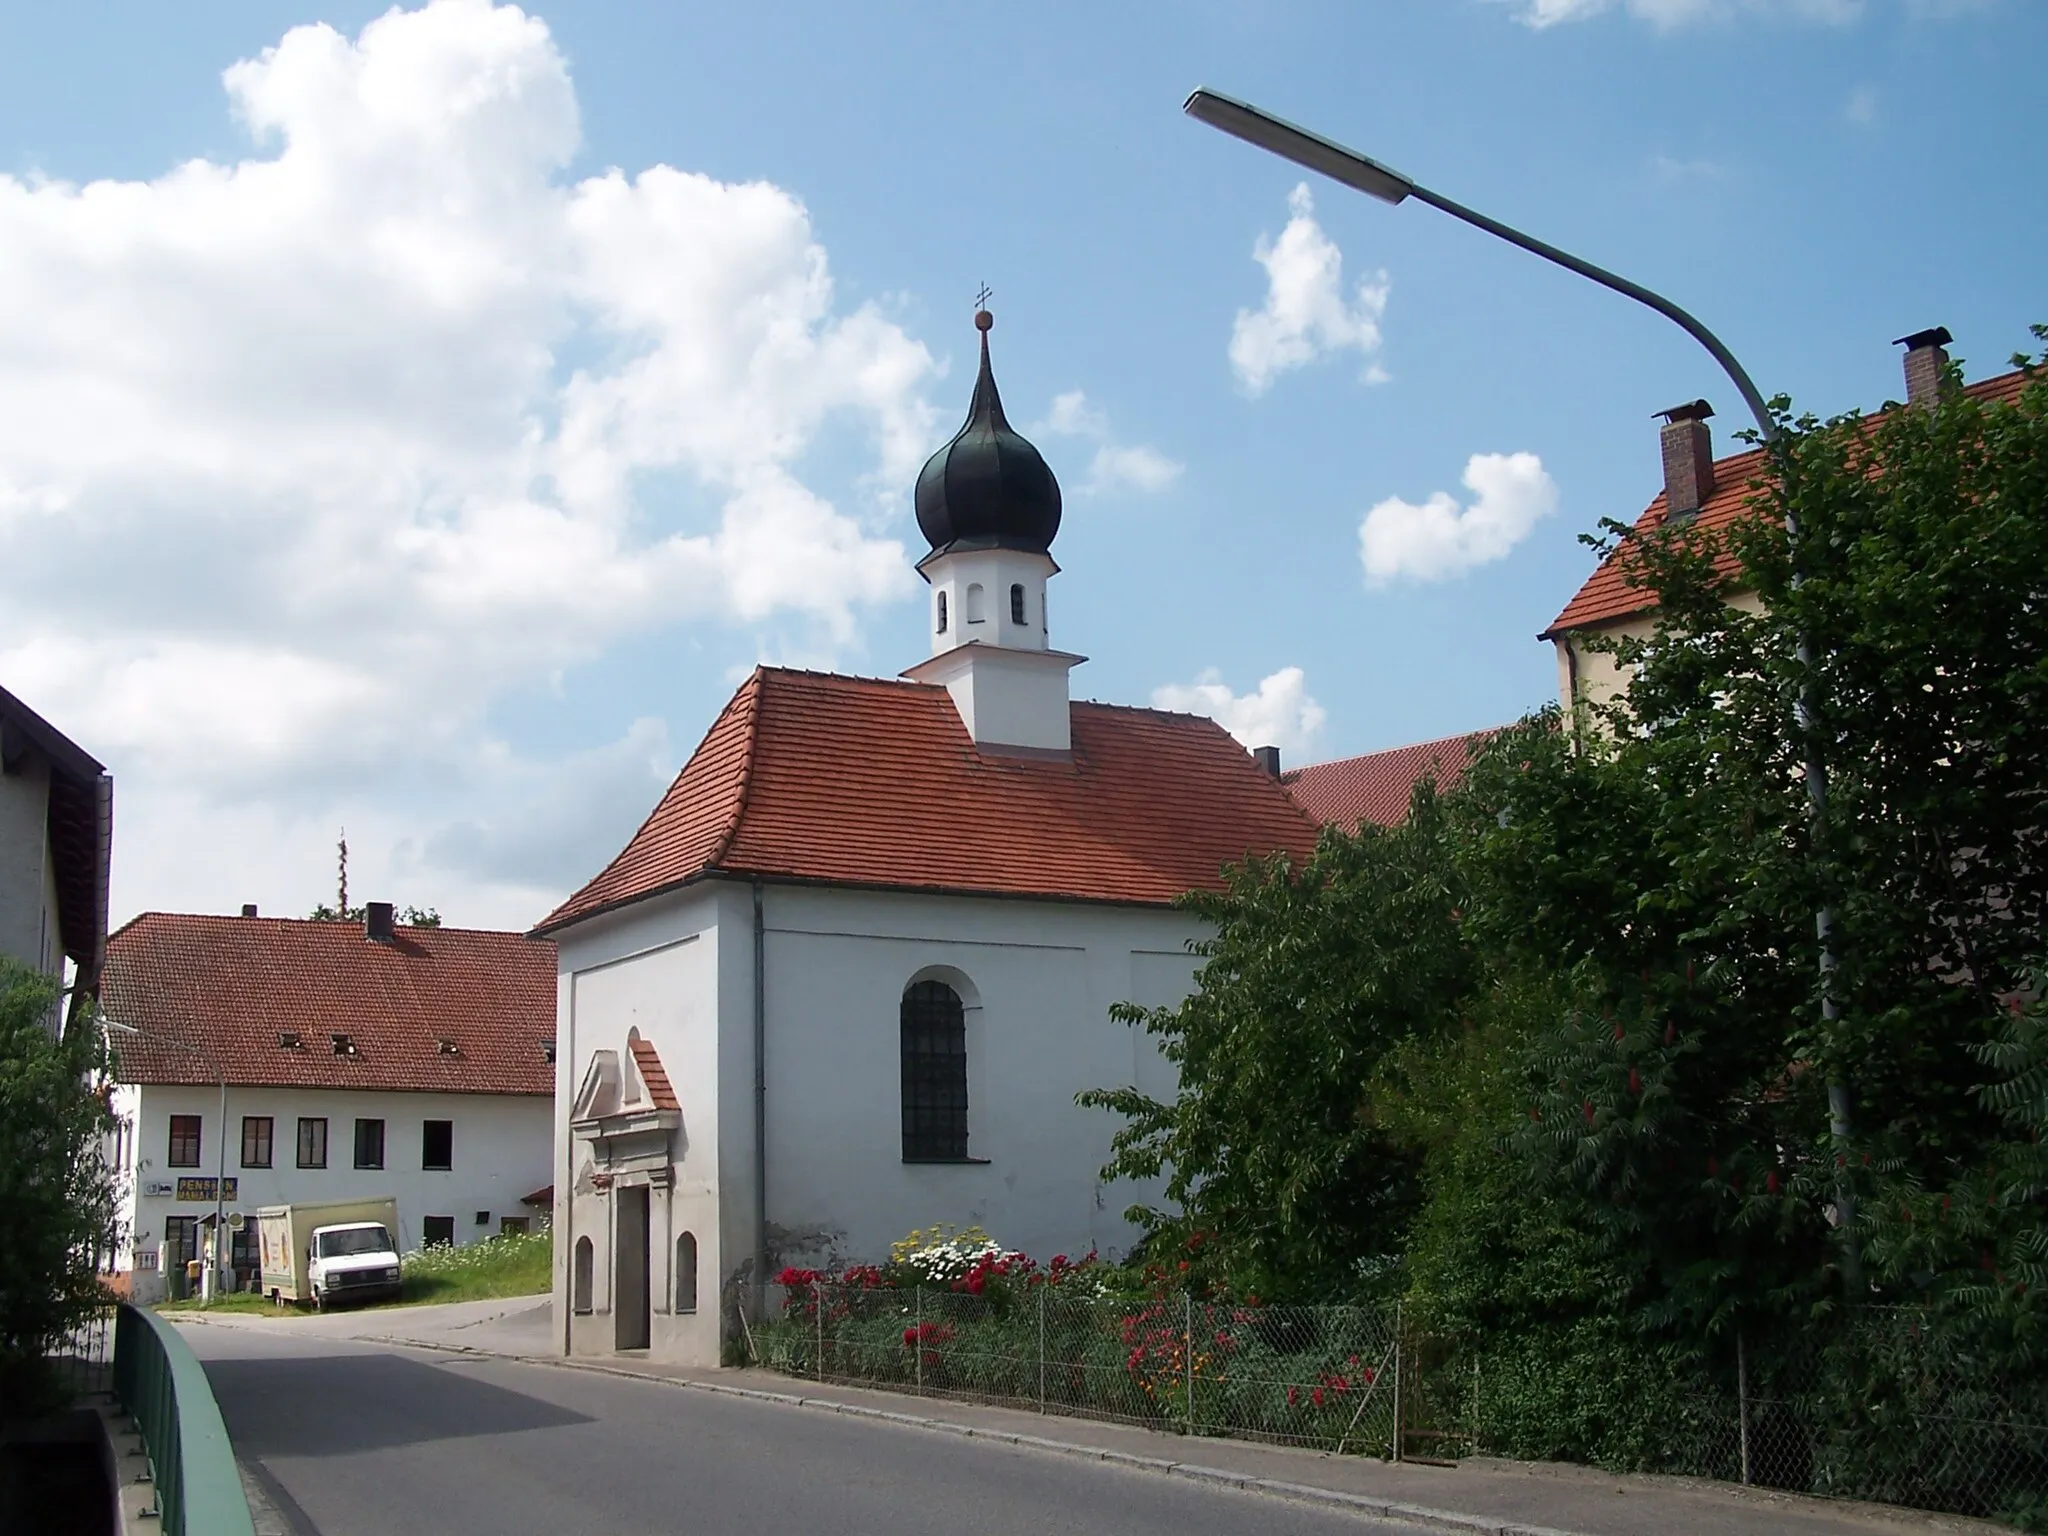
{"type": "Point", "coordinates": [1714, 493]}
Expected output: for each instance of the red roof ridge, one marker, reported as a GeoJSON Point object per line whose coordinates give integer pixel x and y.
{"type": "Point", "coordinates": [1406, 746]}
{"type": "Point", "coordinates": [747, 758]}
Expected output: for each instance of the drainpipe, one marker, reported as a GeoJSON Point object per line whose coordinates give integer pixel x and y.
{"type": "Point", "coordinates": [760, 1106]}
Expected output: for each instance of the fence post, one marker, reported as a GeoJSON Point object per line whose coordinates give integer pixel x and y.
{"type": "Point", "coordinates": [1188, 1305]}
{"type": "Point", "coordinates": [818, 1307]}
{"type": "Point", "coordinates": [917, 1348]}
{"type": "Point", "coordinates": [1397, 1381]}
{"type": "Point", "coordinates": [1742, 1399]}
{"type": "Point", "coordinates": [1041, 1348]}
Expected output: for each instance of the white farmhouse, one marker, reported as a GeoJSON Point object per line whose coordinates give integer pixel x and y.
{"type": "Point", "coordinates": [56, 837]}
{"type": "Point", "coordinates": [293, 1060]}
{"type": "Point", "coordinates": [850, 974]}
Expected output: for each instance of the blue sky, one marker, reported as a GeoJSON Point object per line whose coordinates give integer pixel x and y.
{"type": "Point", "coordinates": [389, 466]}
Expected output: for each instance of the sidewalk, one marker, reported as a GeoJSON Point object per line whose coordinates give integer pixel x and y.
{"type": "Point", "coordinates": [1479, 1495]}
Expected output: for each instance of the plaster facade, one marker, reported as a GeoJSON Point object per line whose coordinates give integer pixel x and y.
{"type": "Point", "coordinates": [28, 874]}
{"type": "Point", "coordinates": [1597, 674]}
{"type": "Point", "coordinates": [499, 1153]}
{"type": "Point", "coordinates": [1037, 979]}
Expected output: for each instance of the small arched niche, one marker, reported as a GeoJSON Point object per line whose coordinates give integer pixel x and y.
{"type": "Point", "coordinates": [976, 600]}
{"type": "Point", "coordinates": [942, 613]}
{"type": "Point", "coordinates": [686, 1272]}
{"type": "Point", "coordinates": [580, 1279]}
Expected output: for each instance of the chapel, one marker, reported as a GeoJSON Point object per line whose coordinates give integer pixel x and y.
{"type": "Point", "coordinates": [851, 972]}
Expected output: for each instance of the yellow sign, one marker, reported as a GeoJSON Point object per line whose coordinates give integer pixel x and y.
{"type": "Point", "coordinates": [202, 1189]}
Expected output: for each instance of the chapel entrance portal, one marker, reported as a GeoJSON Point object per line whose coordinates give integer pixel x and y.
{"type": "Point", "coordinates": [632, 1301]}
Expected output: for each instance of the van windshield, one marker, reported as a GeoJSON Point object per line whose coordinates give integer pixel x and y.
{"type": "Point", "coordinates": [334, 1245]}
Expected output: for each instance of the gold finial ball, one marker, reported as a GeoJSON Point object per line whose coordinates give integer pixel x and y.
{"type": "Point", "coordinates": [983, 319]}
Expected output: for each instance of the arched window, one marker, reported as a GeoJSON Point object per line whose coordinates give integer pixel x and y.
{"type": "Point", "coordinates": [686, 1272]}
{"type": "Point", "coordinates": [579, 1290]}
{"type": "Point", "coordinates": [974, 603]}
{"type": "Point", "coordinates": [934, 1074]}
{"type": "Point", "coordinates": [942, 613]}
{"type": "Point", "coordinates": [1017, 602]}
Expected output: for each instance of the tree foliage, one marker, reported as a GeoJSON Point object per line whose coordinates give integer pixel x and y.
{"type": "Point", "coordinates": [1551, 1056]}
{"type": "Point", "coordinates": [56, 1190]}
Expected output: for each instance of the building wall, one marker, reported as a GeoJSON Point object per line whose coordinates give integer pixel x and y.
{"type": "Point", "coordinates": [1599, 676]}
{"type": "Point", "coordinates": [1038, 979]}
{"type": "Point", "coordinates": [653, 968]}
{"type": "Point", "coordinates": [28, 876]}
{"type": "Point", "coordinates": [500, 1153]}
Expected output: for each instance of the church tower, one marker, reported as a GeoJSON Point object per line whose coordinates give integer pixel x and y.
{"type": "Point", "coordinates": [990, 507]}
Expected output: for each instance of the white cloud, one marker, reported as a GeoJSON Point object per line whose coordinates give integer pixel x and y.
{"type": "Point", "coordinates": [1861, 108]}
{"type": "Point", "coordinates": [1439, 538]}
{"type": "Point", "coordinates": [1280, 713]}
{"type": "Point", "coordinates": [1676, 13]}
{"type": "Point", "coordinates": [309, 458]}
{"type": "Point", "coordinates": [1115, 466]}
{"type": "Point", "coordinates": [1306, 315]}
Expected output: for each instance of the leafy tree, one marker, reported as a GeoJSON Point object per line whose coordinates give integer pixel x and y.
{"type": "Point", "coordinates": [1274, 1150]}
{"type": "Point", "coordinates": [408, 917]}
{"type": "Point", "coordinates": [56, 1189]}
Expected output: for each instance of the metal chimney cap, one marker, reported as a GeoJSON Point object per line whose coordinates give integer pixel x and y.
{"type": "Point", "coordinates": [1692, 410]}
{"type": "Point", "coordinates": [1937, 336]}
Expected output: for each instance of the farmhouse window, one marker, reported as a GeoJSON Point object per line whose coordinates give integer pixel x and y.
{"type": "Point", "coordinates": [313, 1142]}
{"type": "Point", "coordinates": [369, 1143]}
{"type": "Point", "coordinates": [437, 1144]}
{"type": "Point", "coordinates": [256, 1133]}
{"type": "Point", "coordinates": [184, 1150]}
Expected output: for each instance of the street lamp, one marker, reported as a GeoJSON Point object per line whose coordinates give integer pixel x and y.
{"type": "Point", "coordinates": [1329, 158]}
{"type": "Point", "coordinates": [210, 1279]}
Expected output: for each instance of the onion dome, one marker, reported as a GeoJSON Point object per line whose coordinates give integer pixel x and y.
{"type": "Point", "coordinates": [988, 488]}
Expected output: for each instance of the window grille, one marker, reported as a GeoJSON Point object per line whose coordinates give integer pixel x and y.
{"type": "Point", "coordinates": [942, 613]}
{"type": "Point", "coordinates": [1017, 603]}
{"type": "Point", "coordinates": [934, 1025]}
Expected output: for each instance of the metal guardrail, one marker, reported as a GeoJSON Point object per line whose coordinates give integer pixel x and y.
{"type": "Point", "coordinates": [191, 1462]}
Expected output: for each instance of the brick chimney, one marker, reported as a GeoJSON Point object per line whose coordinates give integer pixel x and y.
{"type": "Point", "coordinates": [377, 922]}
{"type": "Point", "coordinates": [1688, 459]}
{"type": "Point", "coordinates": [1926, 357]}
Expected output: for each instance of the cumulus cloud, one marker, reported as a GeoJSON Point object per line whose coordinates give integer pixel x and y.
{"type": "Point", "coordinates": [308, 457]}
{"type": "Point", "coordinates": [1306, 314]}
{"type": "Point", "coordinates": [1440, 537]}
{"type": "Point", "coordinates": [1115, 466]}
{"type": "Point", "coordinates": [1676, 13]}
{"type": "Point", "coordinates": [1278, 713]}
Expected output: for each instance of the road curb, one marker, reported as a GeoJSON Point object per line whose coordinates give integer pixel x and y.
{"type": "Point", "coordinates": [1299, 1493]}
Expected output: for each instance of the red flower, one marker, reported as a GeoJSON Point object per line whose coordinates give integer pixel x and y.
{"type": "Point", "coordinates": [1589, 1111]}
{"type": "Point", "coordinates": [1635, 1082]}
{"type": "Point", "coordinates": [1316, 1396]}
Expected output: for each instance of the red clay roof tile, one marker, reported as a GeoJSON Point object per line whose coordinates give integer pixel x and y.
{"type": "Point", "coordinates": [659, 1093]}
{"type": "Point", "coordinates": [1376, 787]}
{"type": "Point", "coordinates": [1609, 594]}
{"type": "Point", "coordinates": [871, 782]}
{"type": "Point", "coordinates": [231, 986]}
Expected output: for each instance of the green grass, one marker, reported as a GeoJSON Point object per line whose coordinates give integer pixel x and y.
{"type": "Point", "coordinates": [517, 1265]}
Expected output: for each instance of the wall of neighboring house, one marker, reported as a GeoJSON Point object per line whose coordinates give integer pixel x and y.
{"type": "Point", "coordinates": [1599, 674]}
{"type": "Point", "coordinates": [499, 1152]}
{"type": "Point", "coordinates": [28, 876]}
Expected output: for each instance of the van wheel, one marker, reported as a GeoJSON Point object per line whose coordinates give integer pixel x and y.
{"type": "Point", "coordinates": [319, 1301]}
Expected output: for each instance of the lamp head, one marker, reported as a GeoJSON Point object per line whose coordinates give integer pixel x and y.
{"type": "Point", "coordinates": [1309, 150]}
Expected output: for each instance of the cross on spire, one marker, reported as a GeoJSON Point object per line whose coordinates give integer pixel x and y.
{"type": "Point", "coordinates": [981, 299]}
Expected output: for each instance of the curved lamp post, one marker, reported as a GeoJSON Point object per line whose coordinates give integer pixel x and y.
{"type": "Point", "coordinates": [211, 1273]}
{"type": "Point", "coordinates": [1326, 157]}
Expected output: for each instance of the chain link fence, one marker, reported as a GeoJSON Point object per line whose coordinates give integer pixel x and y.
{"type": "Point", "coordinates": [1881, 1409]}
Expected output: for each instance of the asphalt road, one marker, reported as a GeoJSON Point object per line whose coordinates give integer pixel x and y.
{"type": "Point", "coordinates": [353, 1438]}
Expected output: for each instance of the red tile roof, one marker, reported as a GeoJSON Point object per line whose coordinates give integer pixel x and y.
{"type": "Point", "coordinates": [654, 1075]}
{"type": "Point", "coordinates": [232, 986]}
{"type": "Point", "coordinates": [1376, 787]}
{"type": "Point", "coordinates": [1609, 594]}
{"type": "Point", "coordinates": [862, 781]}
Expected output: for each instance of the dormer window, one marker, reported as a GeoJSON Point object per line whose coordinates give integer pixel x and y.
{"type": "Point", "coordinates": [547, 1052]}
{"type": "Point", "coordinates": [447, 1046]}
{"type": "Point", "coordinates": [942, 613]}
{"type": "Point", "coordinates": [1016, 602]}
{"type": "Point", "coordinates": [290, 1040]}
{"type": "Point", "coordinates": [344, 1045]}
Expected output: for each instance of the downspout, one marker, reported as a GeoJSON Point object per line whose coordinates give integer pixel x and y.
{"type": "Point", "coordinates": [760, 1106]}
